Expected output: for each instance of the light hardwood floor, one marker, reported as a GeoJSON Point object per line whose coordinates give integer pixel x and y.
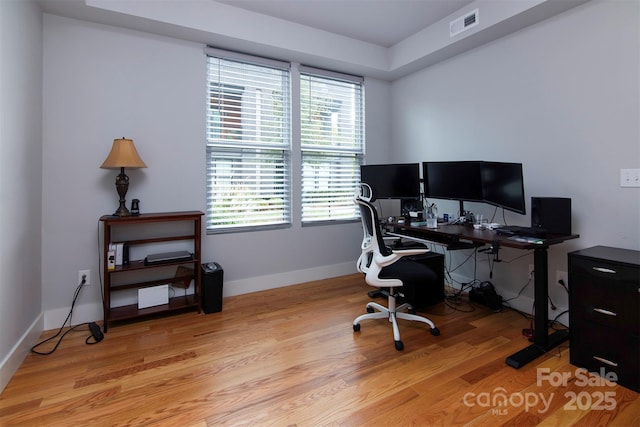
{"type": "Point", "coordinates": [289, 356]}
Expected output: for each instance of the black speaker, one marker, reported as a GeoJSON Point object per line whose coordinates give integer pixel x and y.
{"type": "Point", "coordinates": [420, 296]}
{"type": "Point", "coordinates": [212, 275]}
{"type": "Point", "coordinates": [551, 214]}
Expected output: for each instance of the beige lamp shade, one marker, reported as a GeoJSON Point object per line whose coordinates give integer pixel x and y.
{"type": "Point", "coordinates": [123, 155]}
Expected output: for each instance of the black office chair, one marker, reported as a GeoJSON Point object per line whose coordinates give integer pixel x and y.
{"type": "Point", "coordinates": [386, 268]}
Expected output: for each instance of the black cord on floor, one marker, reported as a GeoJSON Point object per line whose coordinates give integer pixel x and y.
{"type": "Point", "coordinates": [73, 303]}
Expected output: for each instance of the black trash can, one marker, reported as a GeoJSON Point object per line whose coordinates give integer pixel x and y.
{"type": "Point", "coordinates": [212, 275]}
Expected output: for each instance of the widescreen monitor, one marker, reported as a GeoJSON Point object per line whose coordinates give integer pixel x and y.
{"type": "Point", "coordinates": [392, 181]}
{"type": "Point", "coordinates": [454, 180]}
{"type": "Point", "coordinates": [503, 185]}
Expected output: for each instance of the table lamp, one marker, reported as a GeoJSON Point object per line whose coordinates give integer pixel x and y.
{"type": "Point", "coordinates": [123, 155]}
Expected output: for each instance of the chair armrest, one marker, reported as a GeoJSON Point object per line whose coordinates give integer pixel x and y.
{"type": "Point", "coordinates": [379, 262]}
{"type": "Point", "coordinates": [384, 261]}
{"type": "Point", "coordinates": [409, 252]}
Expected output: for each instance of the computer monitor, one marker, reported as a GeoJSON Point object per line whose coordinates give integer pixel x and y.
{"type": "Point", "coordinates": [503, 185]}
{"type": "Point", "coordinates": [392, 181]}
{"type": "Point", "coordinates": [454, 180]}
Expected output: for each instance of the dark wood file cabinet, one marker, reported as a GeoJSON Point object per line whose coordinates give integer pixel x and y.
{"type": "Point", "coordinates": [604, 309]}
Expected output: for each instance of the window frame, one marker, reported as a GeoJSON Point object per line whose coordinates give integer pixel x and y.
{"type": "Point", "coordinates": [242, 152]}
{"type": "Point", "coordinates": [294, 154]}
{"type": "Point", "coordinates": [340, 152]}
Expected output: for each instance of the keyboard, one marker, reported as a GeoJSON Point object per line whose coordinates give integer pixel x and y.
{"type": "Point", "coordinates": [517, 230]}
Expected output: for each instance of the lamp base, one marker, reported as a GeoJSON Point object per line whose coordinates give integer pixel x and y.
{"type": "Point", "coordinates": [122, 185]}
{"type": "Point", "coordinates": [122, 211]}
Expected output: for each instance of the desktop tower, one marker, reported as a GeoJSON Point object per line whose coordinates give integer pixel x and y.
{"type": "Point", "coordinates": [551, 214]}
{"type": "Point", "coordinates": [212, 275]}
{"type": "Point", "coordinates": [422, 296]}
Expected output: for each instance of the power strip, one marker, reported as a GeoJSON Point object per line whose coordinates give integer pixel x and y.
{"type": "Point", "coordinates": [96, 332]}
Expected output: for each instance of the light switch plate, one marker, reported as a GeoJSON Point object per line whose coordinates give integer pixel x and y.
{"type": "Point", "coordinates": [629, 177]}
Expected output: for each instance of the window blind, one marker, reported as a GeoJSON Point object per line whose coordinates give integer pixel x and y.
{"type": "Point", "coordinates": [248, 145]}
{"type": "Point", "coordinates": [332, 145]}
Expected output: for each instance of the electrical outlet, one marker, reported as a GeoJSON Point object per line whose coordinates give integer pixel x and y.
{"type": "Point", "coordinates": [87, 274]}
{"type": "Point", "coordinates": [562, 275]}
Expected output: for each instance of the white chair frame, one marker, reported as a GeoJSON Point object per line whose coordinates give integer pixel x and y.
{"type": "Point", "coordinates": [371, 262]}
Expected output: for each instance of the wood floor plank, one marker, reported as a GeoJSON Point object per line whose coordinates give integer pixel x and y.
{"type": "Point", "coordinates": [289, 356]}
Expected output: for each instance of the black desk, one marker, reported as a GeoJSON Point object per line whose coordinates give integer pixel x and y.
{"type": "Point", "coordinates": [461, 236]}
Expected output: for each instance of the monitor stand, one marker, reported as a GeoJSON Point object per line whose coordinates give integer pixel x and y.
{"type": "Point", "coordinates": [468, 216]}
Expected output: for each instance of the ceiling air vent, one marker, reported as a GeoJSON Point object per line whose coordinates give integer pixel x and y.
{"type": "Point", "coordinates": [463, 23]}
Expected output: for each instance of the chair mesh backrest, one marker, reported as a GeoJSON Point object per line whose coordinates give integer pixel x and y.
{"type": "Point", "coordinates": [371, 225]}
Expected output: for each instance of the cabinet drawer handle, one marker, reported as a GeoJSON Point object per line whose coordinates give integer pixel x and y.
{"type": "Point", "coordinates": [604, 270]}
{"type": "Point", "coordinates": [603, 360]}
{"type": "Point", "coordinates": [603, 311]}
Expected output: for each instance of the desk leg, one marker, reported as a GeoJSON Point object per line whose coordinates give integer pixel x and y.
{"type": "Point", "coordinates": [542, 341]}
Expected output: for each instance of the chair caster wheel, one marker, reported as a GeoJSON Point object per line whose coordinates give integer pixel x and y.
{"type": "Point", "coordinates": [370, 310]}
{"type": "Point", "coordinates": [399, 345]}
{"type": "Point", "coordinates": [435, 332]}
{"type": "Point", "coordinates": [356, 327]}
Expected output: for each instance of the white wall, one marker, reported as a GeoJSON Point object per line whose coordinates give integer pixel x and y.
{"type": "Point", "coordinates": [20, 181]}
{"type": "Point", "coordinates": [562, 98]}
{"type": "Point", "coordinates": [104, 82]}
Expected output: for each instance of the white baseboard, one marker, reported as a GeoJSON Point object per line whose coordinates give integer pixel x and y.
{"type": "Point", "coordinates": [524, 304]}
{"type": "Point", "coordinates": [16, 355]}
{"type": "Point", "coordinates": [83, 313]}
{"type": "Point", "coordinates": [262, 283]}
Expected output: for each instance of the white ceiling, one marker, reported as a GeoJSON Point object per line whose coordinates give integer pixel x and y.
{"type": "Point", "coordinates": [381, 22]}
